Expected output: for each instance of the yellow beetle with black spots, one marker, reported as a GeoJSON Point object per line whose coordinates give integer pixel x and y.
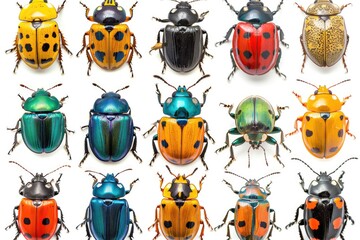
{"type": "Point", "coordinates": [324, 126]}
{"type": "Point", "coordinates": [178, 215]}
{"type": "Point", "coordinates": [39, 40]}
{"type": "Point", "coordinates": [109, 42]}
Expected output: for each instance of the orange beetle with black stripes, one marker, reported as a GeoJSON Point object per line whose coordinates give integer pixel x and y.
{"type": "Point", "coordinates": [325, 211]}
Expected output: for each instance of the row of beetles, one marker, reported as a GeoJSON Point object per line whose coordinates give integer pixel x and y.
{"type": "Point", "coordinates": [255, 44]}
{"type": "Point", "coordinates": [111, 131]}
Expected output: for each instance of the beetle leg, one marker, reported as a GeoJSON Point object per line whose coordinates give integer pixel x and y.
{"type": "Point", "coordinates": [304, 53]}
{"type": "Point", "coordinates": [161, 181]}
{"type": "Point", "coordinates": [232, 115]}
{"type": "Point", "coordinates": [344, 6]}
{"type": "Point", "coordinates": [278, 130]}
{"type": "Point", "coordinates": [235, 143]}
{"type": "Point", "coordinates": [202, 16]}
{"type": "Point", "coordinates": [131, 186]}
{"type": "Point", "coordinates": [152, 127]}
{"type": "Point", "coordinates": [204, 95]}
{"type": "Point", "coordinates": [155, 138]}
{"type": "Point", "coordinates": [61, 7]}
{"type": "Point", "coordinates": [227, 143]}
{"type": "Point", "coordinates": [158, 44]}
{"type": "Point", "coordinates": [131, 10]}
{"type": "Point", "coordinates": [231, 223]}
{"type": "Point", "coordinates": [131, 235]}
{"type": "Point", "coordinates": [234, 68]}
{"type": "Point", "coordinates": [274, 220]}
{"type": "Point", "coordinates": [201, 183]}
{"type": "Point", "coordinates": [18, 57]}
{"type": "Point", "coordinates": [132, 50]}
{"type": "Point", "coordinates": [347, 128]}
{"type": "Point", "coordinates": [300, 99]}
{"type": "Point", "coordinates": [302, 183]}
{"type": "Point", "coordinates": [225, 218]}
{"type": "Point", "coordinates": [343, 57]}
{"type": "Point", "coordinates": [156, 223]}
{"type": "Point", "coordinates": [277, 68]}
{"type": "Point", "coordinates": [84, 45]}
{"type": "Point", "coordinates": [268, 189]}
{"type": "Point", "coordinates": [202, 155]}
{"type": "Point", "coordinates": [86, 150]}
{"type": "Point", "coordinates": [16, 126]}
{"type": "Point", "coordinates": [296, 216]}
{"type": "Point", "coordinates": [232, 189]}
{"type": "Point", "coordinates": [61, 224]}
{"type": "Point", "coordinates": [301, 8]}
{"type": "Point", "coordinates": [202, 229]}
{"type": "Point", "coordinates": [86, 219]}
{"type": "Point", "coordinates": [133, 149]}
{"type": "Point", "coordinates": [279, 109]}
{"type": "Point", "coordinates": [273, 141]}
{"type": "Point", "coordinates": [57, 185]}
{"type": "Point", "coordinates": [206, 218]}
{"type": "Point", "coordinates": [282, 36]}
{"type": "Point", "coordinates": [14, 222]}
{"type": "Point", "coordinates": [231, 7]}
{"type": "Point", "coordinates": [206, 44]}
{"type": "Point", "coordinates": [64, 43]}
{"type": "Point", "coordinates": [15, 141]}
{"type": "Point", "coordinates": [66, 137]}
{"type": "Point", "coordinates": [87, 10]}
{"type": "Point", "coordinates": [135, 220]}
{"type": "Point", "coordinates": [341, 183]}
{"type": "Point", "coordinates": [301, 223]}
{"type": "Point", "coordinates": [207, 132]}
{"type": "Point", "coordinates": [347, 215]}
{"type": "Point", "coordinates": [278, 7]}
{"type": "Point", "coordinates": [227, 36]}
{"type": "Point", "coordinates": [345, 99]}
{"type": "Point", "coordinates": [266, 161]}
{"type": "Point", "coordinates": [299, 119]}
{"type": "Point", "coordinates": [161, 20]}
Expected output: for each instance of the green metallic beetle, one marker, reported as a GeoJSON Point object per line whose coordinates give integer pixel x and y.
{"type": "Point", "coordinates": [41, 127]}
{"type": "Point", "coordinates": [324, 38]}
{"type": "Point", "coordinates": [254, 119]}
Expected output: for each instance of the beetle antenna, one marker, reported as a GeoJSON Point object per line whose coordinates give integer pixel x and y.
{"type": "Point", "coordinates": [123, 171]}
{"type": "Point", "coordinates": [122, 89]}
{"type": "Point", "coordinates": [193, 1]}
{"type": "Point", "coordinates": [299, 80]}
{"type": "Point", "coordinates": [22, 167]}
{"type": "Point", "coordinates": [347, 80]}
{"type": "Point", "coordinates": [57, 169]}
{"type": "Point", "coordinates": [306, 165]}
{"type": "Point", "coordinates": [268, 175]}
{"type": "Point", "coordinates": [22, 85]}
{"type": "Point", "coordinates": [237, 175]}
{"type": "Point", "coordinates": [170, 171]}
{"type": "Point", "coordinates": [192, 173]}
{"type": "Point", "coordinates": [90, 171]}
{"type": "Point", "coordinates": [57, 85]}
{"type": "Point", "coordinates": [94, 84]}
{"type": "Point", "coordinates": [174, 1]}
{"type": "Point", "coordinates": [342, 164]}
{"type": "Point", "coordinates": [158, 77]}
{"type": "Point", "coordinates": [205, 76]}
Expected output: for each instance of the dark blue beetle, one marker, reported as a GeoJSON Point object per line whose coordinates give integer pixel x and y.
{"type": "Point", "coordinates": [111, 130]}
{"type": "Point", "coordinates": [108, 216]}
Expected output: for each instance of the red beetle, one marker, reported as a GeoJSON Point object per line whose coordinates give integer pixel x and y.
{"type": "Point", "coordinates": [255, 44]}
{"type": "Point", "coordinates": [38, 214]}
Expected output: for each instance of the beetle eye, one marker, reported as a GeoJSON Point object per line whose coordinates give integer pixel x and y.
{"type": "Point", "coordinates": [243, 189]}
{"type": "Point", "coordinates": [99, 8]}
{"type": "Point", "coordinates": [120, 9]}
{"type": "Point", "coordinates": [265, 9]}
{"type": "Point", "coordinates": [29, 185]}
{"type": "Point", "coordinates": [193, 11]}
{"type": "Point", "coordinates": [246, 137]}
{"type": "Point", "coordinates": [264, 137]}
{"type": "Point", "coordinates": [333, 182]}
{"type": "Point", "coordinates": [314, 183]}
{"type": "Point", "coordinates": [195, 101]}
{"type": "Point", "coordinates": [334, 97]}
{"type": "Point", "coordinates": [330, 91]}
{"type": "Point", "coordinates": [99, 185]}
{"type": "Point", "coordinates": [173, 10]}
{"type": "Point", "coordinates": [169, 100]}
{"type": "Point", "coordinates": [48, 185]}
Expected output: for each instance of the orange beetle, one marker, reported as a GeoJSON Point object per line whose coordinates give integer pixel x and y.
{"type": "Point", "coordinates": [324, 125]}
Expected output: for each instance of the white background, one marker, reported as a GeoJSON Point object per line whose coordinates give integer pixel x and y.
{"type": "Point", "coordinates": [216, 197]}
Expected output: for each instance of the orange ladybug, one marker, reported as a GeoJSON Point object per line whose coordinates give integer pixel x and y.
{"type": "Point", "coordinates": [324, 125]}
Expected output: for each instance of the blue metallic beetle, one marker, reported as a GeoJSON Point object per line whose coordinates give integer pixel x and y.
{"type": "Point", "coordinates": [111, 129]}
{"type": "Point", "coordinates": [108, 216]}
{"type": "Point", "coordinates": [180, 134]}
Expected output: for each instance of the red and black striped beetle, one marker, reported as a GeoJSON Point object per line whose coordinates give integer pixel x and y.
{"type": "Point", "coordinates": [325, 211]}
{"type": "Point", "coordinates": [255, 43]}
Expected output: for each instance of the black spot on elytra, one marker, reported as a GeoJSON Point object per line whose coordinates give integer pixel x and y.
{"type": "Point", "coordinates": [265, 54]}
{"type": "Point", "coordinates": [315, 150]}
{"type": "Point", "coordinates": [247, 35]}
{"type": "Point", "coordinates": [27, 221]}
{"type": "Point", "coordinates": [55, 47]}
{"type": "Point", "coordinates": [54, 34]}
{"type": "Point", "coordinates": [46, 221]}
{"type": "Point", "coordinates": [247, 54]}
{"type": "Point", "coordinates": [45, 60]}
{"type": "Point", "coordinates": [45, 235]}
{"type": "Point", "coordinates": [119, 36]}
{"type": "Point", "coordinates": [163, 205]}
{"type": "Point", "coordinates": [238, 31]}
{"type": "Point", "coordinates": [200, 124]}
{"type": "Point", "coordinates": [197, 144]}
{"type": "Point", "coordinates": [31, 61]}
{"type": "Point", "coordinates": [307, 118]}
{"type": "Point", "coordinates": [28, 235]}
{"type": "Point", "coordinates": [241, 224]}
{"type": "Point", "coordinates": [194, 205]}
{"type": "Point", "coordinates": [45, 47]}
{"type": "Point", "coordinates": [190, 225]}
{"type": "Point", "coordinates": [263, 224]}
{"type": "Point", "coordinates": [20, 48]}
{"type": "Point", "coordinates": [126, 30]}
{"type": "Point", "coordinates": [167, 224]}
{"type": "Point", "coordinates": [27, 36]}
{"type": "Point", "coordinates": [340, 133]}
{"type": "Point", "coordinates": [46, 36]}
{"type": "Point", "coordinates": [28, 47]}
{"type": "Point", "coordinates": [21, 35]}
{"type": "Point", "coordinates": [263, 67]}
{"type": "Point", "coordinates": [99, 36]}
{"type": "Point", "coordinates": [270, 112]}
{"type": "Point", "coordinates": [333, 149]}
{"type": "Point", "coordinates": [164, 143]}
{"type": "Point", "coordinates": [266, 35]}
{"type": "Point", "coordinates": [309, 133]}
{"type": "Point", "coordinates": [163, 124]}
{"type": "Point", "coordinates": [126, 46]}
{"type": "Point", "coordinates": [341, 117]}
{"type": "Point", "coordinates": [92, 46]}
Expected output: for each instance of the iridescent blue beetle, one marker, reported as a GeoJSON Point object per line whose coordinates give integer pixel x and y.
{"type": "Point", "coordinates": [181, 135]}
{"type": "Point", "coordinates": [108, 216]}
{"type": "Point", "coordinates": [111, 129]}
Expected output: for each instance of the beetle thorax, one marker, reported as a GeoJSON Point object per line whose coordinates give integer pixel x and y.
{"type": "Point", "coordinates": [183, 15]}
{"type": "Point", "coordinates": [323, 101]}
{"type": "Point", "coordinates": [182, 104]}
{"type": "Point", "coordinates": [109, 13]}
{"type": "Point", "coordinates": [324, 187]}
{"type": "Point", "coordinates": [323, 8]}
{"type": "Point", "coordinates": [255, 13]}
{"type": "Point", "coordinates": [252, 190]}
{"type": "Point", "coordinates": [37, 10]}
{"type": "Point", "coordinates": [38, 189]}
{"type": "Point", "coordinates": [111, 103]}
{"type": "Point", "coordinates": [109, 188]}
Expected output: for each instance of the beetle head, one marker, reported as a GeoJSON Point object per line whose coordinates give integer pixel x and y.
{"type": "Point", "coordinates": [183, 15]}
{"type": "Point", "coordinates": [38, 10]}
{"type": "Point", "coordinates": [111, 103]}
{"type": "Point", "coordinates": [255, 13]}
{"type": "Point", "coordinates": [109, 13]}
{"type": "Point", "coordinates": [180, 188]}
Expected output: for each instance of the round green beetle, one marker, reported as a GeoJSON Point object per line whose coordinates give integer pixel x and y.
{"type": "Point", "coordinates": [41, 127]}
{"type": "Point", "coordinates": [254, 119]}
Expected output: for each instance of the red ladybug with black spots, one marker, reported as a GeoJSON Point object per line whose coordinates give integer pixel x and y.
{"type": "Point", "coordinates": [255, 43]}
{"type": "Point", "coordinates": [325, 211]}
{"type": "Point", "coordinates": [38, 215]}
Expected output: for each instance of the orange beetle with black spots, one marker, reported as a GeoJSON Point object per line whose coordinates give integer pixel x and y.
{"type": "Point", "coordinates": [325, 211]}
{"type": "Point", "coordinates": [324, 125]}
{"type": "Point", "coordinates": [178, 215]}
{"type": "Point", "coordinates": [252, 212]}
